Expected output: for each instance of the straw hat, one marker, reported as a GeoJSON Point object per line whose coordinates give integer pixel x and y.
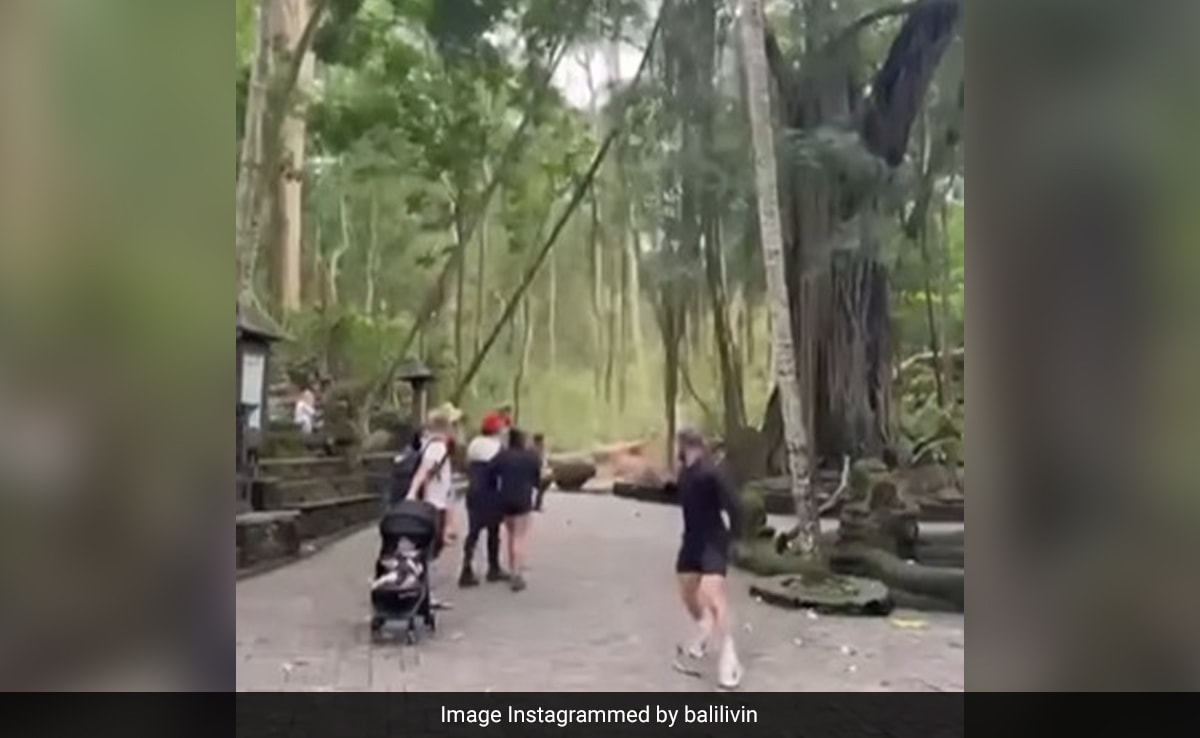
{"type": "Point", "coordinates": [444, 415]}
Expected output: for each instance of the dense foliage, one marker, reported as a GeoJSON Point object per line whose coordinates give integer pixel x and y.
{"type": "Point", "coordinates": [437, 154]}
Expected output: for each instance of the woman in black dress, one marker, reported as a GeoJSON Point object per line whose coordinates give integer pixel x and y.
{"type": "Point", "coordinates": [703, 559]}
{"type": "Point", "coordinates": [519, 468]}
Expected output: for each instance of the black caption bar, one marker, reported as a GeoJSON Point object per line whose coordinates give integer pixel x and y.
{"type": "Point", "coordinates": [804, 715]}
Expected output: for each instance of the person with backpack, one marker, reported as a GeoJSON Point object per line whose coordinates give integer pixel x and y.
{"type": "Point", "coordinates": [431, 478]}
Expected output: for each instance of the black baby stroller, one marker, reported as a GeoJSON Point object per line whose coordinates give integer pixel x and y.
{"type": "Point", "coordinates": [409, 530]}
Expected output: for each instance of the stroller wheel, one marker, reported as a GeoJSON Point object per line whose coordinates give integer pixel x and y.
{"type": "Point", "coordinates": [430, 622]}
{"type": "Point", "coordinates": [410, 636]}
{"type": "Point", "coordinates": [376, 624]}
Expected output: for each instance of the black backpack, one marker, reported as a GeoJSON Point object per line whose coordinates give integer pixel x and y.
{"type": "Point", "coordinates": [404, 468]}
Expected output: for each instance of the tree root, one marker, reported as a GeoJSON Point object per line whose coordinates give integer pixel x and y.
{"type": "Point", "coordinates": [945, 584]}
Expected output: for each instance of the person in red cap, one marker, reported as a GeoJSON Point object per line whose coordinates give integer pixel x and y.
{"type": "Point", "coordinates": [483, 514]}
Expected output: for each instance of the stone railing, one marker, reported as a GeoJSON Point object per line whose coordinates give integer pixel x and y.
{"type": "Point", "coordinates": [302, 501]}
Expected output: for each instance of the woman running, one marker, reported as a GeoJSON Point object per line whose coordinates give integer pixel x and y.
{"type": "Point", "coordinates": [519, 469]}
{"type": "Point", "coordinates": [703, 560]}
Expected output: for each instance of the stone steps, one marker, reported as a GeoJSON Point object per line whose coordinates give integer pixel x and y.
{"type": "Point", "coordinates": [305, 467]}
{"type": "Point", "coordinates": [284, 494]}
{"type": "Point", "coordinates": [308, 500]}
{"type": "Point", "coordinates": [323, 518]}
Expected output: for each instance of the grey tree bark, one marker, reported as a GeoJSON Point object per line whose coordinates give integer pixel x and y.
{"type": "Point", "coordinates": [754, 61]}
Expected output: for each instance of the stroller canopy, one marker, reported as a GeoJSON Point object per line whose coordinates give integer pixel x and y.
{"type": "Point", "coordinates": [413, 519]}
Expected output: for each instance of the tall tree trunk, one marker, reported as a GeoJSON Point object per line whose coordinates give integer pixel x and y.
{"type": "Point", "coordinates": [552, 314]}
{"type": "Point", "coordinates": [935, 343]}
{"type": "Point", "coordinates": [771, 234]}
{"type": "Point", "coordinates": [595, 241]}
{"type": "Point", "coordinates": [620, 304]}
{"type": "Point", "coordinates": [919, 230]}
{"type": "Point", "coordinates": [935, 155]}
{"type": "Point", "coordinates": [372, 256]}
{"type": "Point", "coordinates": [523, 359]}
{"type": "Point", "coordinates": [841, 314]}
{"type": "Point", "coordinates": [751, 312]}
{"type": "Point", "coordinates": [612, 313]}
{"type": "Point", "coordinates": [288, 20]}
{"type": "Point", "coordinates": [248, 209]}
{"type": "Point", "coordinates": [460, 286]}
{"type": "Point", "coordinates": [481, 268]}
{"type": "Point", "coordinates": [596, 273]}
{"type": "Point", "coordinates": [623, 325]}
{"type": "Point", "coordinates": [671, 323]}
{"type": "Point", "coordinates": [335, 261]}
{"type": "Point", "coordinates": [320, 277]}
{"type": "Point", "coordinates": [944, 288]}
{"type": "Point", "coordinates": [733, 402]}
{"type": "Point", "coordinates": [268, 106]}
{"type": "Point", "coordinates": [636, 336]}
{"type": "Point", "coordinates": [854, 353]}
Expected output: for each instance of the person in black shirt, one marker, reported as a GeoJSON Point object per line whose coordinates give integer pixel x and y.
{"type": "Point", "coordinates": [519, 469]}
{"type": "Point", "coordinates": [703, 558]}
{"type": "Point", "coordinates": [483, 493]}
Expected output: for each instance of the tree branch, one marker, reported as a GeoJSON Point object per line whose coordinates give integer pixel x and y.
{"type": "Point", "coordinates": [581, 190]}
{"type": "Point", "coordinates": [889, 11]}
{"type": "Point", "coordinates": [686, 376]}
{"type": "Point", "coordinates": [435, 295]}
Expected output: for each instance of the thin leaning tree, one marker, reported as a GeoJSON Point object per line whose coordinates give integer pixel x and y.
{"type": "Point", "coordinates": [758, 98]}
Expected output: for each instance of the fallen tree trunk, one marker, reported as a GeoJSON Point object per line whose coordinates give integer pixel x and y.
{"type": "Point", "coordinates": [946, 584]}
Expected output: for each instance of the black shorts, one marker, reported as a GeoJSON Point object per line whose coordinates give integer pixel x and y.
{"type": "Point", "coordinates": [706, 559]}
{"type": "Point", "coordinates": [516, 505]}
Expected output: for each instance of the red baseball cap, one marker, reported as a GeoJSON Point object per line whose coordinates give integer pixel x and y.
{"type": "Point", "coordinates": [493, 423]}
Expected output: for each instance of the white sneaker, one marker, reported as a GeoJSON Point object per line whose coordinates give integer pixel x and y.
{"type": "Point", "coordinates": [689, 660]}
{"type": "Point", "coordinates": [729, 672]}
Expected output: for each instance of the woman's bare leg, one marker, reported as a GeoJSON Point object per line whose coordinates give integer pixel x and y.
{"type": "Point", "coordinates": [689, 592]}
{"type": "Point", "coordinates": [510, 543]}
{"type": "Point", "coordinates": [712, 588]}
{"type": "Point", "coordinates": [518, 527]}
{"type": "Point", "coordinates": [689, 654]}
{"type": "Point", "coordinates": [712, 592]}
{"type": "Point", "coordinates": [520, 542]}
{"type": "Point", "coordinates": [697, 607]}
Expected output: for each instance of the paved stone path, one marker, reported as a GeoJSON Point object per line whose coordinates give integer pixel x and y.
{"type": "Point", "coordinates": [600, 614]}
